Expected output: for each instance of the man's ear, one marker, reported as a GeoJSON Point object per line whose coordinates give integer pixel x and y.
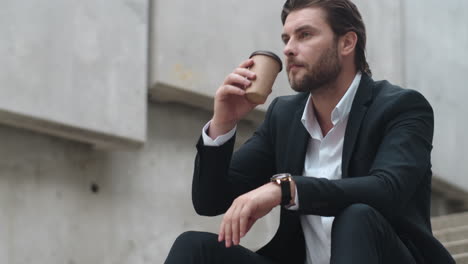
{"type": "Point", "coordinates": [348, 43]}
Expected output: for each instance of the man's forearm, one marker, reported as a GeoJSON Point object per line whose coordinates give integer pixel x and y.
{"type": "Point", "coordinates": [210, 190]}
{"type": "Point", "coordinates": [217, 129]}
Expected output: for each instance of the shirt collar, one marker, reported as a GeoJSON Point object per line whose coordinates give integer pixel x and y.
{"type": "Point", "coordinates": [343, 107]}
{"type": "Point", "coordinates": [340, 111]}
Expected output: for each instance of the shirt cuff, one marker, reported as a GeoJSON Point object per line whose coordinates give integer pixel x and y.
{"type": "Point", "coordinates": [295, 207]}
{"type": "Point", "coordinates": [220, 140]}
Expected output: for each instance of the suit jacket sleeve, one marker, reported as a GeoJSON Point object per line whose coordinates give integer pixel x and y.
{"type": "Point", "coordinates": [400, 163]}
{"type": "Point", "coordinates": [221, 176]}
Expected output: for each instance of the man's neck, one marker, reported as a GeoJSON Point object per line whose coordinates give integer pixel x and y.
{"type": "Point", "coordinates": [326, 98]}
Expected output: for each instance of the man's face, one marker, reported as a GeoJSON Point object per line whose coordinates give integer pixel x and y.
{"type": "Point", "coordinates": [311, 50]}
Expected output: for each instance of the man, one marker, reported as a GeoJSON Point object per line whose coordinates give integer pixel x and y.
{"type": "Point", "coordinates": [363, 148]}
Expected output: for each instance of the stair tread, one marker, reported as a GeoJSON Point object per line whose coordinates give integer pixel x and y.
{"type": "Point", "coordinates": [456, 243]}
{"type": "Point", "coordinates": [451, 229]}
{"type": "Point", "coordinates": [450, 234]}
{"type": "Point", "coordinates": [449, 221]}
{"type": "Point", "coordinates": [441, 222]}
{"type": "Point", "coordinates": [461, 256]}
{"type": "Point", "coordinates": [450, 216]}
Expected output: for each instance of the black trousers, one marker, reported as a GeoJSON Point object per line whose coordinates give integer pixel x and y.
{"type": "Point", "coordinates": [360, 234]}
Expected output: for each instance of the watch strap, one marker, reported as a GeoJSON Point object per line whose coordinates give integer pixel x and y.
{"type": "Point", "coordinates": [284, 181]}
{"type": "Point", "coordinates": [285, 193]}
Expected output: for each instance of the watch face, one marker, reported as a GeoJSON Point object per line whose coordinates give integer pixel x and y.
{"type": "Point", "coordinates": [282, 177]}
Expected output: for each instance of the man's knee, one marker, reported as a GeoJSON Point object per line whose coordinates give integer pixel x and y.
{"type": "Point", "coordinates": [189, 247]}
{"type": "Point", "coordinates": [357, 211]}
{"type": "Point", "coordinates": [194, 239]}
{"type": "Point", "coordinates": [357, 215]}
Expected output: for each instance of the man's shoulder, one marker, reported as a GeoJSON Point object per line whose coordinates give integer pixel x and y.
{"type": "Point", "coordinates": [387, 93]}
{"type": "Point", "coordinates": [284, 108]}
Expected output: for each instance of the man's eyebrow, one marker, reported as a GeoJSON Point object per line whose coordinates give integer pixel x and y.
{"type": "Point", "coordinates": [299, 29]}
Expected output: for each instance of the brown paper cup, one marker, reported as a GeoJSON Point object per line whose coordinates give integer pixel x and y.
{"type": "Point", "coordinates": [266, 66]}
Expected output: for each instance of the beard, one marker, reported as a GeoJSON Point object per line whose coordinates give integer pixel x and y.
{"type": "Point", "coordinates": [319, 75]}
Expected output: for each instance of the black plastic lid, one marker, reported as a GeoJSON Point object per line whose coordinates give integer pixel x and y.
{"type": "Point", "coordinates": [268, 53]}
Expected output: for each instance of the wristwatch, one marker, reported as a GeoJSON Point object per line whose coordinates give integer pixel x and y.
{"type": "Point", "coordinates": [284, 180]}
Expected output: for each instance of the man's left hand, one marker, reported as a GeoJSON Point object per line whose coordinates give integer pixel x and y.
{"type": "Point", "coordinates": [246, 210]}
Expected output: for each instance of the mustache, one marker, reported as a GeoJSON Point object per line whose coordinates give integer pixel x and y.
{"type": "Point", "coordinates": [291, 63]}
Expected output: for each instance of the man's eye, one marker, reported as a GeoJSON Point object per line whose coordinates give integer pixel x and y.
{"type": "Point", "coordinates": [305, 34]}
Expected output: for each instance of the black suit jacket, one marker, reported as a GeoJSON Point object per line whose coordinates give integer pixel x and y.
{"type": "Point", "coordinates": [386, 164]}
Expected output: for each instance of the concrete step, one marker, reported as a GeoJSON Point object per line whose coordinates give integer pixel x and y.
{"type": "Point", "coordinates": [457, 247]}
{"type": "Point", "coordinates": [452, 234]}
{"type": "Point", "coordinates": [449, 221]}
{"type": "Point", "coordinates": [461, 258]}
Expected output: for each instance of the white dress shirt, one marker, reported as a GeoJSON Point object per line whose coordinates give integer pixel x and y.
{"type": "Point", "coordinates": [323, 160]}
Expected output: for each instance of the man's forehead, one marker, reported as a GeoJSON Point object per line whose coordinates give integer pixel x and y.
{"type": "Point", "coordinates": [307, 17]}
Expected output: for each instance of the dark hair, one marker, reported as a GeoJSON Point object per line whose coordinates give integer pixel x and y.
{"type": "Point", "coordinates": [343, 17]}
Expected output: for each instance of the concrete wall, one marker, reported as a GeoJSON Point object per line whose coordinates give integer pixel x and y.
{"type": "Point", "coordinates": [384, 22]}
{"type": "Point", "coordinates": [415, 44]}
{"type": "Point", "coordinates": [66, 202]}
{"type": "Point", "coordinates": [195, 49]}
{"type": "Point", "coordinates": [436, 63]}
{"type": "Point", "coordinates": [75, 69]}
{"type": "Point", "coordinates": [197, 43]}
{"type": "Point", "coordinates": [49, 213]}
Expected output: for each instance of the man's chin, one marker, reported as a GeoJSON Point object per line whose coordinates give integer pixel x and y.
{"type": "Point", "coordinates": [296, 80]}
{"type": "Point", "coordinates": [299, 87]}
{"type": "Point", "coordinates": [302, 86]}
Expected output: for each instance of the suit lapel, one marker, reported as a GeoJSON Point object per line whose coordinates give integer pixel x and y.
{"type": "Point", "coordinates": [358, 110]}
{"type": "Point", "coordinates": [297, 142]}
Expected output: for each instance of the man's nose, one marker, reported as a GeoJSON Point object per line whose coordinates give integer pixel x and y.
{"type": "Point", "coordinates": [290, 49]}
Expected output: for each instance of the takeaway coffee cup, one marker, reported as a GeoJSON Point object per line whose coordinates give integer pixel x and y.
{"type": "Point", "coordinates": [266, 66]}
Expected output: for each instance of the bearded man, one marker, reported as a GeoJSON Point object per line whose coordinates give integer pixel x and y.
{"type": "Point", "coordinates": [348, 159]}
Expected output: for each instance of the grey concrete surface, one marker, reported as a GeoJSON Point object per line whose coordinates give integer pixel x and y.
{"type": "Point", "coordinates": [49, 214]}
{"type": "Point", "coordinates": [75, 69]}
{"type": "Point", "coordinates": [461, 258]}
{"type": "Point", "coordinates": [196, 44]}
{"type": "Point", "coordinates": [457, 247]}
{"type": "Point", "coordinates": [436, 62]}
{"type": "Point", "coordinates": [385, 45]}
{"type": "Point", "coordinates": [451, 231]}
{"type": "Point", "coordinates": [78, 70]}
{"type": "Point", "coordinates": [447, 221]}
{"type": "Point", "coordinates": [415, 44]}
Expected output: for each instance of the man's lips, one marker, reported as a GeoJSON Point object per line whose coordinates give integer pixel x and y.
{"type": "Point", "coordinates": [292, 66]}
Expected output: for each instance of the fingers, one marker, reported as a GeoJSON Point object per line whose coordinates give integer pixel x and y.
{"type": "Point", "coordinates": [221, 232]}
{"type": "Point", "coordinates": [247, 63]}
{"type": "Point", "coordinates": [225, 227]}
{"type": "Point", "coordinates": [227, 234]}
{"type": "Point", "coordinates": [245, 73]}
{"type": "Point", "coordinates": [241, 75]}
{"type": "Point", "coordinates": [245, 216]}
{"type": "Point", "coordinates": [245, 211]}
{"type": "Point", "coordinates": [226, 90]}
{"type": "Point", "coordinates": [235, 220]}
{"type": "Point", "coordinates": [235, 227]}
{"type": "Point", "coordinates": [238, 80]}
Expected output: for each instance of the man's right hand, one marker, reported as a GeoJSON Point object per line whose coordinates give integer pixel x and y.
{"type": "Point", "coordinates": [230, 104]}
